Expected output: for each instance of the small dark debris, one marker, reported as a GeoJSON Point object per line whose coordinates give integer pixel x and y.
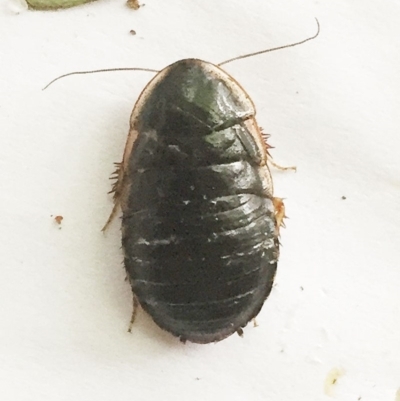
{"type": "Point", "coordinates": [343, 197]}
{"type": "Point", "coordinates": [132, 32]}
{"type": "Point", "coordinates": [302, 288]}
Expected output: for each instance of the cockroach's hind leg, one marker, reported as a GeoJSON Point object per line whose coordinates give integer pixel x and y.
{"type": "Point", "coordinates": [240, 332]}
{"type": "Point", "coordinates": [112, 216]}
{"type": "Point", "coordinates": [134, 313]}
{"type": "Point", "coordinates": [116, 189]}
{"type": "Point", "coordinates": [272, 163]}
{"type": "Point", "coordinates": [265, 138]}
{"type": "Point", "coordinates": [255, 324]}
{"type": "Point", "coordinates": [279, 213]}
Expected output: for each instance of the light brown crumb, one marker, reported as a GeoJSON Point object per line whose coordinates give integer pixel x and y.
{"type": "Point", "coordinates": [58, 219]}
{"type": "Point", "coordinates": [134, 4]}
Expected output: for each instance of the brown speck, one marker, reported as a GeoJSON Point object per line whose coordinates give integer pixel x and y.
{"type": "Point", "coordinates": [58, 219]}
{"type": "Point", "coordinates": [343, 197]}
{"type": "Point", "coordinates": [134, 4]}
{"type": "Point", "coordinates": [132, 32]}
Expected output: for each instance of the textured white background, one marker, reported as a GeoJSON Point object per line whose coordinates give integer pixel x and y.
{"type": "Point", "coordinates": [333, 109]}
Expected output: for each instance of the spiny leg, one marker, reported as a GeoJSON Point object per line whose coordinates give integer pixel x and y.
{"type": "Point", "coordinates": [116, 190]}
{"type": "Point", "coordinates": [279, 213]}
{"type": "Point", "coordinates": [265, 138]}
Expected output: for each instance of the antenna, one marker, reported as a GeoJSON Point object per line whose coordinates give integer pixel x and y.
{"type": "Point", "coordinates": [96, 71]}
{"type": "Point", "coordinates": [156, 71]}
{"type": "Point", "coordinates": [273, 49]}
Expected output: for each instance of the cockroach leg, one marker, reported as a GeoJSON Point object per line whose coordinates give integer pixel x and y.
{"type": "Point", "coordinates": [279, 213]}
{"type": "Point", "coordinates": [112, 215]}
{"type": "Point", "coordinates": [117, 175]}
{"type": "Point", "coordinates": [272, 163]}
{"type": "Point", "coordinates": [265, 138]}
{"type": "Point", "coordinates": [134, 313]}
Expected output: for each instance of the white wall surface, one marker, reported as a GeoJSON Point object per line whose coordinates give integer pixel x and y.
{"type": "Point", "coordinates": [333, 109]}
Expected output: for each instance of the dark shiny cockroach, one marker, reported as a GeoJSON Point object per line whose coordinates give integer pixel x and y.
{"type": "Point", "coordinates": [200, 223]}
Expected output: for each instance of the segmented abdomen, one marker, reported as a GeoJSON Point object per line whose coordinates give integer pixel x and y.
{"type": "Point", "coordinates": [200, 246]}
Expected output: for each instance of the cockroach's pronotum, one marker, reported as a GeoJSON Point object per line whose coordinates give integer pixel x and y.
{"type": "Point", "coordinates": [200, 223]}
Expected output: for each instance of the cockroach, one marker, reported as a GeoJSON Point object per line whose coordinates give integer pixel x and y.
{"type": "Point", "coordinates": [200, 223]}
